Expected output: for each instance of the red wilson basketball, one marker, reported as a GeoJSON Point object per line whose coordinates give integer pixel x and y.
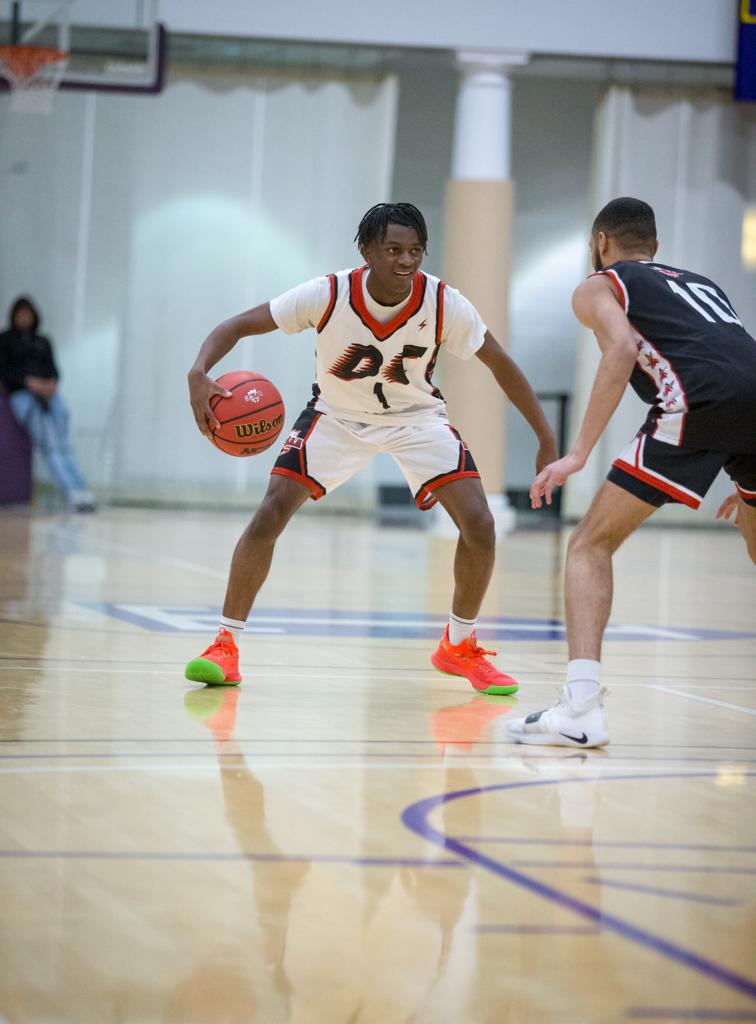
{"type": "Point", "coordinates": [252, 418]}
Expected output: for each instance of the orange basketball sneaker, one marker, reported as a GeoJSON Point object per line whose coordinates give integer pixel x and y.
{"type": "Point", "coordinates": [218, 664]}
{"type": "Point", "coordinates": [467, 659]}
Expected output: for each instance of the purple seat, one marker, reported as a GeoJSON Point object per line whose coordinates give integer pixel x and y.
{"type": "Point", "coordinates": [15, 457]}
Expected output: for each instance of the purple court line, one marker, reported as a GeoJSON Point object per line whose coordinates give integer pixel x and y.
{"type": "Point", "coordinates": [533, 929]}
{"type": "Point", "coordinates": [415, 818]}
{"type": "Point", "coordinates": [674, 894]}
{"type": "Point", "coordinates": [675, 1014]}
{"type": "Point", "coordinates": [161, 855]}
{"type": "Point", "coordinates": [590, 866]}
{"type": "Point", "coordinates": [327, 739]}
{"type": "Point", "coordinates": [313, 755]}
{"type": "Point", "coordinates": [614, 843]}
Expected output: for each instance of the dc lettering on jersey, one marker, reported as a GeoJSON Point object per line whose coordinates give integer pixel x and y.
{"type": "Point", "coordinates": [360, 361]}
{"type": "Point", "coordinates": [373, 367]}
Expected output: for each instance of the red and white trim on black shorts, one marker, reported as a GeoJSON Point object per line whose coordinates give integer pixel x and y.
{"type": "Point", "coordinates": [292, 461]}
{"type": "Point", "coordinates": [425, 498]}
{"type": "Point", "coordinates": [749, 497]}
{"type": "Point", "coordinates": [632, 462]}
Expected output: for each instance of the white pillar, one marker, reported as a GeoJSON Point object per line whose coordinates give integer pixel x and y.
{"type": "Point", "coordinates": [478, 228]}
{"type": "Point", "coordinates": [483, 123]}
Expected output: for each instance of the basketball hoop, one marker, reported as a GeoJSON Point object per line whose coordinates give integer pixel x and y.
{"type": "Point", "coordinates": [33, 74]}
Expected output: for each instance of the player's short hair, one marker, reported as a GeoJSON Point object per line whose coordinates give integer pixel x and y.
{"type": "Point", "coordinates": [373, 225]}
{"type": "Point", "coordinates": [630, 222]}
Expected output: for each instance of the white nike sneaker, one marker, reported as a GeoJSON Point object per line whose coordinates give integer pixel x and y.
{"type": "Point", "coordinates": [565, 724]}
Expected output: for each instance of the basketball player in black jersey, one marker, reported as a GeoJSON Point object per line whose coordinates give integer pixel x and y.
{"type": "Point", "coordinates": [675, 337]}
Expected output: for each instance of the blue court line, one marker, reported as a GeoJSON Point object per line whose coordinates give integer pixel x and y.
{"type": "Point", "coordinates": [591, 866]}
{"type": "Point", "coordinates": [612, 843]}
{"type": "Point", "coordinates": [162, 855]}
{"type": "Point", "coordinates": [341, 622]}
{"type": "Point", "coordinates": [673, 894]}
{"type": "Point", "coordinates": [415, 818]}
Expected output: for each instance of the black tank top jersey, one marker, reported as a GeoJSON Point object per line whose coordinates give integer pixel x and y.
{"type": "Point", "coordinates": [696, 363]}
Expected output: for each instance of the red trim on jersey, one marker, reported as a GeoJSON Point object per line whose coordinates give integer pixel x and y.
{"type": "Point", "coordinates": [424, 498]}
{"type": "Point", "coordinates": [440, 311]}
{"type": "Point", "coordinates": [619, 286]}
{"type": "Point", "coordinates": [331, 303]}
{"type": "Point", "coordinates": [660, 485]}
{"type": "Point", "coordinates": [379, 330]}
{"type": "Point", "coordinates": [316, 489]}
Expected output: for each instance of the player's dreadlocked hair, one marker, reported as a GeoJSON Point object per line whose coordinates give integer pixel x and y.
{"type": "Point", "coordinates": [630, 222]}
{"type": "Point", "coordinates": [373, 225]}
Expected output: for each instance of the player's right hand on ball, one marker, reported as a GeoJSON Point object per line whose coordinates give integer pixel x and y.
{"type": "Point", "coordinates": [201, 390]}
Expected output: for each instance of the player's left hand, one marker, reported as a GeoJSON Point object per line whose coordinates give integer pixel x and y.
{"type": "Point", "coordinates": [546, 454]}
{"type": "Point", "coordinates": [554, 475]}
{"type": "Point", "coordinates": [729, 505]}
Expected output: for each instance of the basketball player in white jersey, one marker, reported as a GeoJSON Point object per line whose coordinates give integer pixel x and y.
{"type": "Point", "coordinates": [380, 329]}
{"type": "Point", "coordinates": [674, 336]}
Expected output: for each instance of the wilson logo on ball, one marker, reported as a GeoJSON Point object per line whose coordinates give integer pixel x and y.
{"type": "Point", "coordinates": [257, 428]}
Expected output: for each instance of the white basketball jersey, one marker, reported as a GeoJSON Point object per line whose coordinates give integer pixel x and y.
{"type": "Point", "coordinates": [379, 371]}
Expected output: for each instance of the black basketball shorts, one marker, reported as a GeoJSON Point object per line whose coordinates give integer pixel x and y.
{"type": "Point", "coordinates": [658, 472]}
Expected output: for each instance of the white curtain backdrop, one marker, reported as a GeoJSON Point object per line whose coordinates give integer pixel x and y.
{"type": "Point", "coordinates": [139, 223]}
{"type": "Point", "coordinates": [693, 158]}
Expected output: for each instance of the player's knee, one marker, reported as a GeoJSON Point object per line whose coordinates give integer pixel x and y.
{"type": "Point", "coordinates": [585, 537]}
{"type": "Point", "coordinates": [269, 521]}
{"type": "Point", "coordinates": [478, 530]}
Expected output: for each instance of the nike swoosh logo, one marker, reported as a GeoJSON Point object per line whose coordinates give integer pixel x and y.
{"type": "Point", "coordinates": [575, 739]}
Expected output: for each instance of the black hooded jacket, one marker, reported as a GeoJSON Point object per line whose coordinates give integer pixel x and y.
{"type": "Point", "coordinates": [25, 353]}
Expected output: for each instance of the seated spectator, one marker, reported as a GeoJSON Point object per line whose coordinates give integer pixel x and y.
{"type": "Point", "coordinates": [28, 371]}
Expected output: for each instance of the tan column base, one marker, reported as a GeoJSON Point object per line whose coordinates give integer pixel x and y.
{"type": "Point", "coordinates": [477, 261]}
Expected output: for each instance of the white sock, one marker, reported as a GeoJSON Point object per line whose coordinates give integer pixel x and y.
{"type": "Point", "coordinates": [583, 676]}
{"type": "Point", "coordinates": [460, 629]}
{"type": "Point", "coordinates": [234, 626]}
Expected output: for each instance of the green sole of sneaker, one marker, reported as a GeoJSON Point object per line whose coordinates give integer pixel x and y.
{"type": "Point", "coordinates": [202, 670]}
{"type": "Point", "coordinates": [500, 691]}
{"type": "Point", "coordinates": [491, 691]}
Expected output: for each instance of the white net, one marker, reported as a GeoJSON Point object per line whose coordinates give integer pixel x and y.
{"type": "Point", "coordinates": [33, 74]}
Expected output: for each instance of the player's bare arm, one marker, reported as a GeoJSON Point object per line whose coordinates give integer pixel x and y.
{"type": "Point", "coordinates": [216, 345]}
{"type": "Point", "coordinates": [596, 306]}
{"type": "Point", "coordinates": [515, 386]}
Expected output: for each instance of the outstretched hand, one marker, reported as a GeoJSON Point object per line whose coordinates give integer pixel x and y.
{"type": "Point", "coordinates": [554, 475]}
{"type": "Point", "coordinates": [728, 506]}
{"type": "Point", "coordinates": [201, 390]}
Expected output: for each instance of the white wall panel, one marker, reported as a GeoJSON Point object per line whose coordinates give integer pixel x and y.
{"type": "Point", "coordinates": [204, 201]}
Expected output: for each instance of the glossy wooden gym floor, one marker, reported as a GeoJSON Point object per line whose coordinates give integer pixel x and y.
{"type": "Point", "coordinates": [349, 837]}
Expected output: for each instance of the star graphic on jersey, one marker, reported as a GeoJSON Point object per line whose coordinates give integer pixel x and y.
{"type": "Point", "coordinates": [423, 324]}
{"type": "Point", "coordinates": [653, 362]}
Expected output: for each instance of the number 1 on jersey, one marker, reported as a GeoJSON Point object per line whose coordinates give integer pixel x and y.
{"type": "Point", "coordinates": [378, 392]}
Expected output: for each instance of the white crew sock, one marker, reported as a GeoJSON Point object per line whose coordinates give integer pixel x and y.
{"type": "Point", "coordinates": [234, 626]}
{"type": "Point", "coordinates": [460, 629]}
{"type": "Point", "coordinates": [583, 676]}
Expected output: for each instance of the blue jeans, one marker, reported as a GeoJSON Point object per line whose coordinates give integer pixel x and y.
{"type": "Point", "coordinates": [47, 425]}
